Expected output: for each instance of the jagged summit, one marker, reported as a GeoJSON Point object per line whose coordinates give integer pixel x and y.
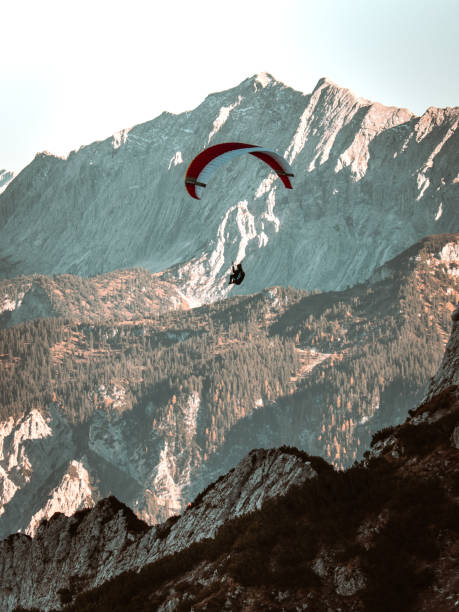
{"type": "Point", "coordinates": [339, 91]}
{"type": "Point", "coordinates": [368, 183]}
{"type": "Point", "coordinates": [50, 156]}
{"type": "Point", "coordinates": [325, 81]}
{"type": "Point", "coordinates": [264, 79]}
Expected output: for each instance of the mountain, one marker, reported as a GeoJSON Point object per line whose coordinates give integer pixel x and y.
{"type": "Point", "coordinates": [124, 374]}
{"type": "Point", "coordinates": [283, 530]}
{"type": "Point", "coordinates": [370, 181]}
{"type": "Point", "coordinates": [153, 409]}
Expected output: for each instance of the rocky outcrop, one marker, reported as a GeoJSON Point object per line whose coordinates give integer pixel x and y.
{"type": "Point", "coordinates": [448, 373]}
{"type": "Point", "coordinates": [70, 554]}
{"type": "Point", "coordinates": [37, 470]}
{"type": "Point", "coordinates": [370, 180]}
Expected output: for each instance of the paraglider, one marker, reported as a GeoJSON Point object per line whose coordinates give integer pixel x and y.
{"type": "Point", "coordinates": [237, 274]}
{"type": "Point", "coordinates": [205, 163]}
{"type": "Point", "coordinates": [209, 160]}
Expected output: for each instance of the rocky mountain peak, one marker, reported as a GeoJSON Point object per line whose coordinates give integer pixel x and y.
{"type": "Point", "coordinates": [109, 509]}
{"type": "Point", "coordinates": [264, 79]}
{"type": "Point", "coordinates": [71, 554]}
{"type": "Point", "coordinates": [343, 150]}
{"type": "Point", "coordinates": [326, 82]}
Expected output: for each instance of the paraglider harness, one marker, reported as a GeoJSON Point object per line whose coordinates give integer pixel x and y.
{"type": "Point", "coordinates": [237, 275]}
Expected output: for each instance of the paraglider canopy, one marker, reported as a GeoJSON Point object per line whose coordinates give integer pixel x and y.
{"type": "Point", "coordinates": [205, 163]}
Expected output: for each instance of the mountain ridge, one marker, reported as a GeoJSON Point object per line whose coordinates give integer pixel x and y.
{"type": "Point", "coordinates": [355, 540]}
{"type": "Point", "coordinates": [152, 410]}
{"type": "Point", "coordinates": [364, 175]}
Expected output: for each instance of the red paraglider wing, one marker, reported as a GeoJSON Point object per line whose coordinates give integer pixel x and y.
{"type": "Point", "coordinates": [206, 162]}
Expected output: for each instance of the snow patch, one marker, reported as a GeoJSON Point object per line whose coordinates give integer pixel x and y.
{"type": "Point", "coordinates": [190, 300]}
{"type": "Point", "coordinates": [190, 418]}
{"type": "Point", "coordinates": [265, 186]}
{"type": "Point", "coordinates": [217, 257]}
{"type": "Point", "coordinates": [10, 304]}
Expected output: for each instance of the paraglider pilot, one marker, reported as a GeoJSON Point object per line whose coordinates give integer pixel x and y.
{"type": "Point", "coordinates": [237, 274]}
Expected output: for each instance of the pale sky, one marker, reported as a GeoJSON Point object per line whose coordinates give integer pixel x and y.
{"type": "Point", "coordinates": [76, 71]}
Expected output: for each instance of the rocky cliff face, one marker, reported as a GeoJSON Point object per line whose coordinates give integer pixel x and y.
{"type": "Point", "coordinates": [448, 373]}
{"type": "Point", "coordinates": [71, 554]}
{"type": "Point", "coordinates": [369, 181]}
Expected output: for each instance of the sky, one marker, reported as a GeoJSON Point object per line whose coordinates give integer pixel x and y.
{"type": "Point", "coordinates": [76, 71]}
